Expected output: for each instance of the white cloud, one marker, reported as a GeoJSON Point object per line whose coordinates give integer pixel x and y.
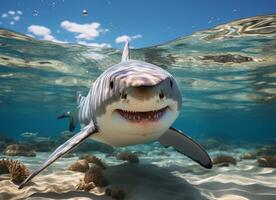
{"type": "Point", "coordinates": [137, 36]}
{"type": "Point", "coordinates": [83, 31]}
{"type": "Point", "coordinates": [44, 33]}
{"type": "Point", "coordinates": [16, 18]}
{"type": "Point", "coordinates": [11, 12]}
{"type": "Point", "coordinates": [124, 38]}
{"type": "Point", "coordinates": [101, 45]}
{"type": "Point", "coordinates": [39, 30]}
{"type": "Point", "coordinates": [12, 16]}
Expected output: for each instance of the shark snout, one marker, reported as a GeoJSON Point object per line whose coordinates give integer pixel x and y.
{"type": "Point", "coordinates": [143, 93]}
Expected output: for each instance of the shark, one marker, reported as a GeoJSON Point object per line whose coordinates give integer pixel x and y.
{"type": "Point", "coordinates": [131, 102]}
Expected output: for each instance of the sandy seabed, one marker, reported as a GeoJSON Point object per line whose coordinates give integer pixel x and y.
{"type": "Point", "coordinates": [159, 175]}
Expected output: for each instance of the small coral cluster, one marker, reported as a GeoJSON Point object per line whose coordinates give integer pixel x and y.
{"type": "Point", "coordinates": [93, 159]}
{"type": "Point", "coordinates": [267, 161]}
{"type": "Point", "coordinates": [19, 150]}
{"type": "Point", "coordinates": [79, 166]}
{"type": "Point", "coordinates": [19, 172]}
{"type": "Point", "coordinates": [128, 156]}
{"type": "Point", "coordinates": [94, 176]}
{"type": "Point", "coordinates": [248, 156]}
{"type": "Point", "coordinates": [265, 157]}
{"type": "Point", "coordinates": [224, 160]}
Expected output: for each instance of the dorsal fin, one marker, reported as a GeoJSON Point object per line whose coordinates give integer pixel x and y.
{"type": "Point", "coordinates": [125, 55]}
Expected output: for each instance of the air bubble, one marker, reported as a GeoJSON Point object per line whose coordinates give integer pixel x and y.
{"type": "Point", "coordinates": [35, 13]}
{"type": "Point", "coordinates": [85, 12]}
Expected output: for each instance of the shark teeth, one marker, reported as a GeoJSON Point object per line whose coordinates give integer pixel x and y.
{"type": "Point", "coordinates": [135, 116]}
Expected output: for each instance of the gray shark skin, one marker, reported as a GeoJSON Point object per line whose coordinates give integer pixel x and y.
{"type": "Point", "coordinates": [131, 102]}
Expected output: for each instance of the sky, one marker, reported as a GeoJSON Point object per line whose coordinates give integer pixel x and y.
{"type": "Point", "coordinates": [109, 23]}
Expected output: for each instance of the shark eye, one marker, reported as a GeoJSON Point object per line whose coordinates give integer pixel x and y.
{"type": "Point", "coordinates": [171, 83]}
{"type": "Point", "coordinates": [111, 84]}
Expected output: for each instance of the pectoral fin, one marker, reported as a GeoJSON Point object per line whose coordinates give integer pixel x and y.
{"type": "Point", "coordinates": [63, 149]}
{"type": "Point", "coordinates": [185, 145]}
{"type": "Point", "coordinates": [73, 118]}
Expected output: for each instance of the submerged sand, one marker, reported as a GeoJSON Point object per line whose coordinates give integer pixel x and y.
{"type": "Point", "coordinates": [159, 175]}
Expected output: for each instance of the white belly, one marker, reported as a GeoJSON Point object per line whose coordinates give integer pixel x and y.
{"type": "Point", "coordinates": [125, 136]}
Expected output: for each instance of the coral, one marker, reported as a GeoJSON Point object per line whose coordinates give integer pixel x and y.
{"type": "Point", "coordinates": [224, 160]}
{"type": "Point", "coordinates": [19, 150]}
{"type": "Point", "coordinates": [85, 186]}
{"type": "Point", "coordinates": [267, 161]}
{"type": "Point", "coordinates": [79, 166]}
{"type": "Point", "coordinates": [93, 159]}
{"type": "Point", "coordinates": [115, 193]}
{"type": "Point", "coordinates": [248, 156]}
{"type": "Point", "coordinates": [19, 172]}
{"type": "Point", "coordinates": [131, 157]}
{"type": "Point", "coordinates": [95, 175]}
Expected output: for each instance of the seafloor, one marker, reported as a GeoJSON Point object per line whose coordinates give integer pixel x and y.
{"type": "Point", "coordinates": [160, 174]}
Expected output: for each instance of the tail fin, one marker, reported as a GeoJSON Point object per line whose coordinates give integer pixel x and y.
{"type": "Point", "coordinates": [126, 53]}
{"type": "Point", "coordinates": [73, 118]}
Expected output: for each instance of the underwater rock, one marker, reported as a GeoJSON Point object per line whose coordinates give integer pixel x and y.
{"type": "Point", "coordinates": [115, 193]}
{"type": "Point", "coordinates": [19, 172]}
{"type": "Point", "coordinates": [127, 156]}
{"type": "Point", "coordinates": [248, 156]}
{"type": "Point", "coordinates": [268, 150]}
{"type": "Point", "coordinates": [19, 150]}
{"type": "Point", "coordinates": [267, 161]}
{"type": "Point", "coordinates": [227, 58]}
{"type": "Point", "coordinates": [95, 174]}
{"type": "Point", "coordinates": [93, 159]}
{"type": "Point", "coordinates": [224, 160]}
{"type": "Point", "coordinates": [79, 166]}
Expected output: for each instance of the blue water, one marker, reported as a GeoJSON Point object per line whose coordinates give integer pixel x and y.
{"type": "Point", "coordinates": [228, 100]}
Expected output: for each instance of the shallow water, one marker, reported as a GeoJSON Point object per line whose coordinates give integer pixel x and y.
{"type": "Point", "coordinates": [227, 77]}
{"type": "Point", "coordinates": [231, 94]}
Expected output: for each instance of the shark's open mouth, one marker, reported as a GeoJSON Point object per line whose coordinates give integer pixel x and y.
{"type": "Point", "coordinates": [135, 116]}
